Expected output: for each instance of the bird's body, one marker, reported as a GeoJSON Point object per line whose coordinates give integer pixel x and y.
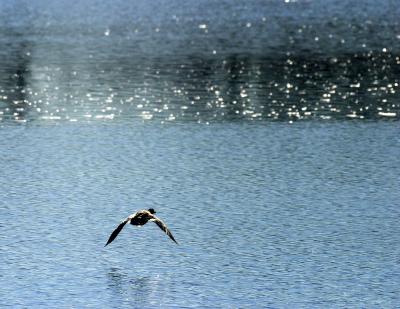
{"type": "Point", "coordinates": [140, 218]}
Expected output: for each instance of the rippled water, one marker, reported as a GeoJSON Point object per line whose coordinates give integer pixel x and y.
{"type": "Point", "coordinates": [278, 215]}
{"type": "Point", "coordinates": [206, 61]}
{"type": "Point", "coordinates": [264, 133]}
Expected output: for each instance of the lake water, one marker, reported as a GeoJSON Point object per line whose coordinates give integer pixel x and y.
{"type": "Point", "coordinates": [265, 135]}
{"type": "Point", "coordinates": [269, 215]}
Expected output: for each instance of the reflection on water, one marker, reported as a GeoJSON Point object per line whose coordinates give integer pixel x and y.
{"type": "Point", "coordinates": [116, 280]}
{"type": "Point", "coordinates": [280, 60]}
{"type": "Point", "coordinates": [238, 87]}
{"type": "Point", "coordinates": [14, 77]}
{"type": "Point", "coordinates": [140, 292]}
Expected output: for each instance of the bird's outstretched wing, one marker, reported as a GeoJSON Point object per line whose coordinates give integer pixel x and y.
{"type": "Point", "coordinates": [162, 226]}
{"type": "Point", "coordinates": [115, 233]}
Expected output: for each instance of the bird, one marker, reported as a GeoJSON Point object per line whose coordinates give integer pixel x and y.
{"type": "Point", "coordinates": [140, 218]}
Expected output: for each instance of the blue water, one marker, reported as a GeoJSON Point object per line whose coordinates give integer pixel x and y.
{"type": "Point", "coordinates": [201, 61]}
{"type": "Point", "coordinates": [264, 133]}
{"type": "Point", "coordinates": [269, 215]}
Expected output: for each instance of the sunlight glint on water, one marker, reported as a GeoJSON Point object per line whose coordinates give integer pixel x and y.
{"type": "Point", "coordinates": [283, 61]}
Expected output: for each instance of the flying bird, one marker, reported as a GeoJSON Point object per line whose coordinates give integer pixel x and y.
{"type": "Point", "coordinates": [140, 218]}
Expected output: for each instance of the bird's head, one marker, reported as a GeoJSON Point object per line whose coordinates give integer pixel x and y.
{"type": "Point", "coordinates": [152, 211]}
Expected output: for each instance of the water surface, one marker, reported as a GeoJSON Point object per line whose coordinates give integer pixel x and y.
{"type": "Point", "coordinates": [274, 215]}
{"type": "Point", "coordinates": [207, 61]}
{"type": "Point", "coordinates": [264, 133]}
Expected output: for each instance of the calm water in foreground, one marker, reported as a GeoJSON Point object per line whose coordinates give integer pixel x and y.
{"type": "Point", "coordinates": [267, 214]}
